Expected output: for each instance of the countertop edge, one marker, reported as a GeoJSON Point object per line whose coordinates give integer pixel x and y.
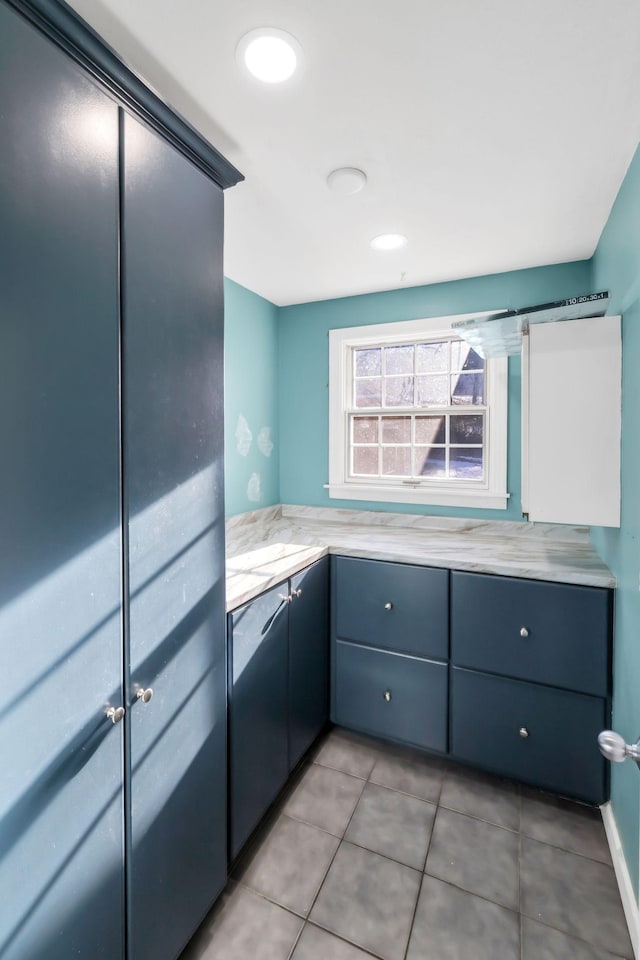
{"type": "Point", "coordinates": [288, 568]}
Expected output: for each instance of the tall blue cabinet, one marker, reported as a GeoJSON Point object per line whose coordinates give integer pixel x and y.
{"type": "Point", "coordinates": [112, 625]}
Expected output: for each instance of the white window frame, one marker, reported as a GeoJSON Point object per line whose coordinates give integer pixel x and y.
{"type": "Point", "coordinates": [490, 493]}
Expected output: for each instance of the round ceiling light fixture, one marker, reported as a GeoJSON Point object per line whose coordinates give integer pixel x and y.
{"type": "Point", "coordinates": [269, 54]}
{"type": "Point", "coordinates": [389, 241]}
{"type": "Point", "coordinates": [347, 180]}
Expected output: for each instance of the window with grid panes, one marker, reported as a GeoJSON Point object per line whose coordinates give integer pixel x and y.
{"type": "Point", "coordinates": [418, 411]}
{"type": "Point", "coordinates": [421, 417]}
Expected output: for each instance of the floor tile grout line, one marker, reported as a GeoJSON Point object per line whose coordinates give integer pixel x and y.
{"type": "Point", "coordinates": [350, 943]}
{"type": "Point", "coordinates": [575, 853]}
{"type": "Point", "coordinates": [572, 936]}
{"type": "Point", "coordinates": [471, 893]}
{"type": "Point", "coordinates": [472, 816]}
{"type": "Point", "coordinates": [385, 856]}
{"type": "Point", "coordinates": [324, 879]}
{"type": "Point", "coordinates": [424, 867]}
{"type": "Point", "coordinates": [329, 766]}
{"type": "Point", "coordinates": [414, 914]}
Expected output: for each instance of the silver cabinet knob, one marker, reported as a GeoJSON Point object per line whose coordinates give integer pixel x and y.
{"type": "Point", "coordinates": [115, 714]}
{"type": "Point", "coordinates": [524, 733]}
{"type": "Point", "coordinates": [613, 747]}
{"type": "Point", "coordinates": [286, 597]}
{"type": "Point", "coordinates": [388, 606]}
{"type": "Point", "coordinates": [387, 696]}
{"type": "Point", "coordinates": [297, 593]}
{"type": "Point", "coordinates": [144, 695]}
{"type": "Point", "coordinates": [524, 632]}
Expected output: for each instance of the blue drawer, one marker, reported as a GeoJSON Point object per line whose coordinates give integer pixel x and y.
{"type": "Point", "coordinates": [560, 751]}
{"type": "Point", "coordinates": [396, 606]}
{"type": "Point", "coordinates": [390, 695]}
{"type": "Point", "coordinates": [567, 630]}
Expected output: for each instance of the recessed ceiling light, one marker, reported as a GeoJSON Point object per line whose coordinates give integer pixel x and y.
{"type": "Point", "coordinates": [347, 180]}
{"type": "Point", "coordinates": [269, 54]}
{"type": "Point", "coordinates": [388, 241]}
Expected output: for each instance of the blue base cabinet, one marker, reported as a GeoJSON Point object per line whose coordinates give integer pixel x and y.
{"type": "Point", "coordinates": [278, 692]}
{"type": "Point", "coordinates": [258, 712]}
{"type": "Point", "coordinates": [308, 658]}
{"type": "Point", "coordinates": [390, 647]}
{"type": "Point", "coordinates": [516, 681]}
{"type": "Point", "coordinates": [534, 691]}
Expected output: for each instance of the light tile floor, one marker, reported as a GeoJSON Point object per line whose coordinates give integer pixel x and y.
{"type": "Point", "coordinates": [378, 851]}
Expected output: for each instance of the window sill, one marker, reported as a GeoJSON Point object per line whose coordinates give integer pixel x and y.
{"type": "Point", "coordinates": [480, 499]}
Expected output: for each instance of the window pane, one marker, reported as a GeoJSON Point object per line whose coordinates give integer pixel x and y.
{"type": "Point", "coordinates": [429, 462]}
{"type": "Point", "coordinates": [432, 391]}
{"type": "Point", "coordinates": [398, 392]}
{"type": "Point", "coordinates": [464, 357]}
{"type": "Point", "coordinates": [365, 429]}
{"type": "Point", "coordinates": [365, 461]}
{"type": "Point", "coordinates": [396, 461]}
{"type": "Point", "coordinates": [465, 463]}
{"type": "Point", "coordinates": [398, 359]}
{"type": "Point", "coordinates": [430, 430]}
{"type": "Point", "coordinates": [466, 429]}
{"type": "Point", "coordinates": [368, 363]}
{"type": "Point", "coordinates": [467, 388]}
{"type": "Point", "coordinates": [368, 393]}
{"type": "Point", "coordinates": [432, 357]}
{"type": "Point", "coordinates": [396, 429]}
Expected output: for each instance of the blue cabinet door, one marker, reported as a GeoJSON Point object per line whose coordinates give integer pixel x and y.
{"type": "Point", "coordinates": [258, 710]}
{"type": "Point", "coordinates": [552, 633]}
{"type": "Point", "coordinates": [390, 695]}
{"type": "Point", "coordinates": [61, 806]}
{"type": "Point", "coordinates": [395, 606]}
{"type": "Point", "coordinates": [308, 658]}
{"type": "Point", "coordinates": [531, 732]}
{"type": "Point", "coordinates": [173, 467]}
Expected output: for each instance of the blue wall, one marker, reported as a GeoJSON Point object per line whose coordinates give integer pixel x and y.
{"type": "Point", "coordinates": [616, 267]}
{"type": "Point", "coordinates": [250, 391]}
{"type": "Point", "coordinates": [304, 370]}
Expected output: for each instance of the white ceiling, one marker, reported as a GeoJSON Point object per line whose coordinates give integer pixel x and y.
{"type": "Point", "coordinates": [495, 134]}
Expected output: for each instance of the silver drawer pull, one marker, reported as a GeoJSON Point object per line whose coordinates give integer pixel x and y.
{"type": "Point", "coordinates": [388, 606]}
{"type": "Point", "coordinates": [115, 714]}
{"type": "Point", "coordinates": [296, 593]}
{"type": "Point", "coordinates": [524, 733]}
{"type": "Point", "coordinates": [387, 696]}
{"type": "Point", "coordinates": [285, 597]}
{"type": "Point", "coordinates": [144, 695]}
{"type": "Point", "coordinates": [524, 632]}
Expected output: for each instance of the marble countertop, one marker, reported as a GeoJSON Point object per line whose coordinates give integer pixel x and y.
{"type": "Point", "coordinates": [266, 546]}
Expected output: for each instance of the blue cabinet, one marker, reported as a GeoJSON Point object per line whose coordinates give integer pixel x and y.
{"type": "Point", "coordinates": [61, 800]}
{"type": "Point", "coordinates": [548, 646]}
{"type": "Point", "coordinates": [395, 606]}
{"type": "Point", "coordinates": [390, 695]}
{"type": "Point", "coordinates": [172, 313]}
{"type": "Point", "coordinates": [390, 644]}
{"type": "Point", "coordinates": [308, 658]}
{"type": "Point", "coordinates": [523, 693]}
{"type": "Point", "coordinates": [258, 692]}
{"type": "Point", "coordinates": [553, 633]}
{"type": "Point", "coordinates": [278, 692]}
{"type": "Point", "coordinates": [538, 734]}
{"type": "Point", "coordinates": [112, 810]}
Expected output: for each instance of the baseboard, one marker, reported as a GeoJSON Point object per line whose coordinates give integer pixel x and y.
{"type": "Point", "coordinates": [629, 901]}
